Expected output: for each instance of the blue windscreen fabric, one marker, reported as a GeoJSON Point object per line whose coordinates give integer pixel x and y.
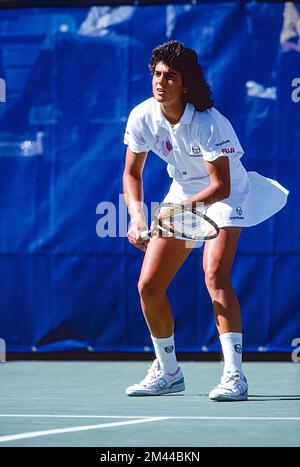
{"type": "Point", "coordinates": [69, 276]}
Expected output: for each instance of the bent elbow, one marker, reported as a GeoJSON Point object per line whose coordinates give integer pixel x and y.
{"type": "Point", "coordinates": [224, 191]}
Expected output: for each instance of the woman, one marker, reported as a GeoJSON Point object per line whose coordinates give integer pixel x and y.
{"type": "Point", "coordinates": [180, 124]}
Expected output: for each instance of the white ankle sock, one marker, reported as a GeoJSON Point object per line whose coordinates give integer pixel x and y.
{"type": "Point", "coordinates": [232, 350]}
{"type": "Point", "coordinates": [165, 353]}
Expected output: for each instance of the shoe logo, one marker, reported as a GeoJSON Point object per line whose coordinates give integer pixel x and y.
{"type": "Point", "coordinates": [161, 383]}
{"type": "Point", "coordinates": [238, 348]}
{"type": "Point", "coordinates": [169, 349]}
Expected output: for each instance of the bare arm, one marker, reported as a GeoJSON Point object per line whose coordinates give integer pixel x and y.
{"type": "Point", "coordinates": [134, 196]}
{"type": "Point", "coordinates": [133, 182]}
{"type": "Point", "coordinates": [219, 187]}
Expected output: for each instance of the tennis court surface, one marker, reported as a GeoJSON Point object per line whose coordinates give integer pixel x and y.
{"type": "Point", "coordinates": [83, 404]}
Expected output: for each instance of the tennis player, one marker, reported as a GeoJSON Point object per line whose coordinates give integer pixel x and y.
{"type": "Point", "coordinates": [181, 125]}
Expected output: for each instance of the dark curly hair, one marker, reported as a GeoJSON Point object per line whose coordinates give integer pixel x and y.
{"type": "Point", "coordinates": [174, 54]}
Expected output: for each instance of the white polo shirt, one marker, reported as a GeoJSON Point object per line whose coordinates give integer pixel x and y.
{"type": "Point", "coordinates": [199, 137]}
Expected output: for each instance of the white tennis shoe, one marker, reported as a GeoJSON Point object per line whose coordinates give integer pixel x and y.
{"type": "Point", "coordinates": [157, 382]}
{"type": "Point", "coordinates": [233, 387]}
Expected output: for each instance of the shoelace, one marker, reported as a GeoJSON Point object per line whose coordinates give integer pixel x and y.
{"type": "Point", "coordinates": [151, 376]}
{"type": "Point", "coordinates": [230, 381]}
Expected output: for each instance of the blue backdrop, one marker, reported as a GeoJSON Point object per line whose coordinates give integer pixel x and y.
{"type": "Point", "coordinates": [72, 75]}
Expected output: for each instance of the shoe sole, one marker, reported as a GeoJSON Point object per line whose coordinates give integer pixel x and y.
{"type": "Point", "coordinates": [137, 393]}
{"type": "Point", "coordinates": [222, 398]}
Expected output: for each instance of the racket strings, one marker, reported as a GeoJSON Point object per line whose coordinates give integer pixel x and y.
{"type": "Point", "coordinates": [185, 223]}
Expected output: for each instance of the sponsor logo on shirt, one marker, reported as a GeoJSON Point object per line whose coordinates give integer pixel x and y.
{"type": "Point", "coordinates": [196, 151]}
{"type": "Point", "coordinates": [166, 147]}
{"type": "Point", "coordinates": [228, 150]}
{"type": "Point", "coordinates": [239, 212]}
{"type": "Point", "coordinates": [223, 142]}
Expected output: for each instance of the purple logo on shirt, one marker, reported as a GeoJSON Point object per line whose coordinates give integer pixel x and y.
{"type": "Point", "coordinates": [166, 147]}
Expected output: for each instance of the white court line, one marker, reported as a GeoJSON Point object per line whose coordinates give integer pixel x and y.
{"type": "Point", "coordinates": [8, 415]}
{"type": "Point", "coordinates": [137, 419]}
{"type": "Point", "coordinates": [35, 434]}
{"type": "Point", "coordinates": [149, 418]}
{"type": "Point", "coordinates": [236, 418]}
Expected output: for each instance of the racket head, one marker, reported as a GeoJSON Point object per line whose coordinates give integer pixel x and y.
{"type": "Point", "coordinates": [184, 222]}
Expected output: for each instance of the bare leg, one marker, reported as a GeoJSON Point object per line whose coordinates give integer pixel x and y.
{"type": "Point", "coordinates": [217, 261]}
{"type": "Point", "coordinates": [163, 258]}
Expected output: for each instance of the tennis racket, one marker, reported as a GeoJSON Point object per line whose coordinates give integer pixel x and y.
{"type": "Point", "coordinates": [182, 222]}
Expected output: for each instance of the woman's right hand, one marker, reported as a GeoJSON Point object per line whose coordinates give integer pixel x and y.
{"type": "Point", "coordinates": [137, 226]}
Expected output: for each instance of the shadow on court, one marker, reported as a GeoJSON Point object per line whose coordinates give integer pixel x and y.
{"type": "Point", "coordinates": [265, 397]}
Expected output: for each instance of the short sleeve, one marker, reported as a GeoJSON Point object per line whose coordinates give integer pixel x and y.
{"type": "Point", "coordinates": [133, 134]}
{"type": "Point", "coordinates": [218, 138]}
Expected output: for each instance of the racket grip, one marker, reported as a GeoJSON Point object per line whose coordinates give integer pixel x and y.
{"type": "Point", "coordinates": [146, 234]}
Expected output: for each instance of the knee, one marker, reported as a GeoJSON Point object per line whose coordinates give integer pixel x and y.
{"type": "Point", "coordinates": [215, 278]}
{"type": "Point", "coordinates": [149, 291]}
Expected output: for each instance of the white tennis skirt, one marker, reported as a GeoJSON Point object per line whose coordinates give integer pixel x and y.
{"type": "Point", "coordinates": [259, 200]}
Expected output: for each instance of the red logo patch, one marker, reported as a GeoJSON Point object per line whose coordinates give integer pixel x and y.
{"type": "Point", "coordinates": [228, 150]}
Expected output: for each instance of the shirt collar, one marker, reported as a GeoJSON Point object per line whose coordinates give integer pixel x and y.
{"type": "Point", "coordinates": [187, 114]}
{"type": "Point", "coordinates": [185, 118]}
